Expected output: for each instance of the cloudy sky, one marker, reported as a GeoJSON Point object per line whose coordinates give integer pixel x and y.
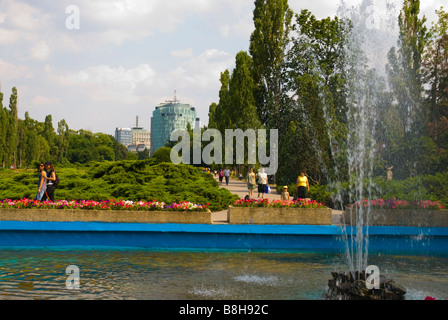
{"type": "Point", "coordinates": [127, 56]}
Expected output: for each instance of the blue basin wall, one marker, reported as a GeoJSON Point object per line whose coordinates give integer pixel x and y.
{"type": "Point", "coordinates": [210, 236]}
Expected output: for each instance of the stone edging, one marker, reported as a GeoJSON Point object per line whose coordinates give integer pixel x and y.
{"type": "Point", "coordinates": [283, 215]}
{"type": "Point", "coordinates": [68, 215]}
{"type": "Point", "coordinates": [403, 217]}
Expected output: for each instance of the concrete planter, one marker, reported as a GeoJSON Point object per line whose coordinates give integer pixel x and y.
{"type": "Point", "coordinates": [402, 217]}
{"type": "Point", "coordinates": [64, 215]}
{"type": "Point", "coordinates": [270, 215]}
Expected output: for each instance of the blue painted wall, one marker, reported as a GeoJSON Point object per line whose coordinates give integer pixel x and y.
{"type": "Point", "coordinates": [202, 236]}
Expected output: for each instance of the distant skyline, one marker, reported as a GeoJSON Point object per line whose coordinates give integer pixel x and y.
{"type": "Point", "coordinates": [129, 55]}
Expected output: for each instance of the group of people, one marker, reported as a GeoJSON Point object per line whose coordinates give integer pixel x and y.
{"type": "Point", "coordinates": [224, 174]}
{"type": "Point", "coordinates": [46, 184]}
{"type": "Point", "coordinates": [261, 179]}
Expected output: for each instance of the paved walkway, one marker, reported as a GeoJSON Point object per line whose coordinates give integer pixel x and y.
{"type": "Point", "coordinates": [240, 188]}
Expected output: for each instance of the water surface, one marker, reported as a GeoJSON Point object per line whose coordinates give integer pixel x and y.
{"type": "Point", "coordinates": [200, 275]}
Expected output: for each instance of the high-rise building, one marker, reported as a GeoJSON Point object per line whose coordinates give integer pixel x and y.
{"type": "Point", "coordinates": [135, 139]}
{"type": "Point", "coordinates": [166, 118]}
{"type": "Point", "coordinates": [124, 136]}
{"type": "Point", "coordinates": [141, 137]}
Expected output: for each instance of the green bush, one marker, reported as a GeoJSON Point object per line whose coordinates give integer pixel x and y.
{"type": "Point", "coordinates": [124, 180]}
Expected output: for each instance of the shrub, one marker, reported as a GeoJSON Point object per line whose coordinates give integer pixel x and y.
{"type": "Point", "coordinates": [124, 180]}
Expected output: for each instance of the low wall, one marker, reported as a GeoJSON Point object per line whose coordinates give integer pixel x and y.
{"type": "Point", "coordinates": [69, 215]}
{"type": "Point", "coordinates": [217, 236]}
{"type": "Point", "coordinates": [402, 217]}
{"type": "Point", "coordinates": [270, 215]}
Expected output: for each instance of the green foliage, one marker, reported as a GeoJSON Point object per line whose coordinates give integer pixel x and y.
{"type": "Point", "coordinates": [124, 180]}
{"type": "Point", "coordinates": [162, 155]}
{"type": "Point", "coordinates": [268, 48]}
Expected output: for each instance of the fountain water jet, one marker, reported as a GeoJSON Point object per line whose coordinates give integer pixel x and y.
{"type": "Point", "coordinates": [364, 84]}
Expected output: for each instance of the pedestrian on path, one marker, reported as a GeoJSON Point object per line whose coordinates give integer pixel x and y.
{"type": "Point", "coordinates": [302, 185]}
{"type": "Point", "coordinates": [262, 183]}
{"type": "Point", "coordinates": [251, 182]}
{"type": "Point", "coordinates": [41, 185]}
{"type": "Point", "coordinates": [51, 178]}
{"type": "Point", "coordinates": [221, 176]}
{"type": "Point", "coordinates": [227, 175]}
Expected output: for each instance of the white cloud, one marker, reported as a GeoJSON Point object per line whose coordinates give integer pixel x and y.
{"type": "Point", "coordinates": [8, 71]}
{"type": "Point", "coordinates": [105, 83]}
{"type": "Point", "coordinates": [44, 101]}
{"type": "Point", "coordinates": [22, 16]}
{"type": "Point", "coordinates": [187, 53]}
{"type": "Point", "coordinates": [8, 36]}
{"type": "Point", "coordinates": [40, 51]}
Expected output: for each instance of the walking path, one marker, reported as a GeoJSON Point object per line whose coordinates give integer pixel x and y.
{"type": "Point", "coordinates": [240, 188]}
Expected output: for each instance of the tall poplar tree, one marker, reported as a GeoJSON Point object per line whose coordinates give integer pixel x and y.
{"type": "Point", "coordinates": [11, 134]}
{"type": "Point", "coordinates": [241, 90]}
{"type": "Point", "coordinates": [435, 73]}
{"type": "Point", "coordinates": [410, 148]}
{"type": "Point", "coordinates": [3, 129]}
{"type": "Point", "coordinates": [404, 67]}
{"type": "Point", "coordinates": [268, 46]}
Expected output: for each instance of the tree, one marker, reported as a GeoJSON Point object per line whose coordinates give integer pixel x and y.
{"type": "Point", "coordinates": [82, 147]}
{"type": "Point", "coordinates": [435, 75]}
{"type": "Point", "coordinates": [314, 119]}
{"type": "Point", "coordinates": [11, 131]}
{"type": "Point", "coordinates": [162, 155]}
{"type": "Point", "coordinates": [212, 115]}
{"type": "Point", "coordinates": [268, 44]}
{"type": "Point", "coordinates": [404, 70]}
{"type": "Point", "coordinates": [404, 67]}
{"type": "Point", "coordinates": [62, 141]}
{"type": "Point", "coordinates": [50, 136]}
{"type": "Point", "coordinates": [221, 115]}
{"type": "Point", "coordinates": [3, 129]}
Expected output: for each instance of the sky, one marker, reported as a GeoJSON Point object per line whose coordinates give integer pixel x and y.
{"type": "Point", "coordinates": [100, 64]}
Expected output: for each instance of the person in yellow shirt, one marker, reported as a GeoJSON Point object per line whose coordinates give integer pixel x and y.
{"type": "Point", "coordinates": [302, 185]}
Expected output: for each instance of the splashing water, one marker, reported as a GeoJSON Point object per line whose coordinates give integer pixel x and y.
{"type": "Point", "coordinates": [374, 32]}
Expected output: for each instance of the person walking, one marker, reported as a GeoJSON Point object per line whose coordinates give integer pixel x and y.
{"type": "Point", "coordinates": [302, 185]}
{"type": "Point", "coordinates": [262, 182]}
{"type": "Point", "coordinates": [227, 175]}
{"type": "Point", "coordinates": [51, 178]}
{"type": "Point", "coordinates": [41, 185]}
{"type": "Point", "coordinates": [251, 182]}
{"type": "Point", "coordinates": [221, 176]}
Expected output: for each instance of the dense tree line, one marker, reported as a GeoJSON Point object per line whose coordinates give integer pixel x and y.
{"type": "Point", "coordinates": [301, 75]}
{"type": "Point", "coordinates": [25, 141]}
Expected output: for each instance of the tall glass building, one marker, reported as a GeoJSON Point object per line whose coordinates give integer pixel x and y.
{"type": "Point", "coordinates": [168, 117]}
{"type": "Point", "coordinates": [124, 136]}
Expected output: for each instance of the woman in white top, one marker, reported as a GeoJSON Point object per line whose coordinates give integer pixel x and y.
{"type": "Point", "coordinates": [262, 183]}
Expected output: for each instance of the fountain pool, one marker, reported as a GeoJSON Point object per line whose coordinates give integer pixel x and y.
{"type": "Point", "coordinates": [149, 274]}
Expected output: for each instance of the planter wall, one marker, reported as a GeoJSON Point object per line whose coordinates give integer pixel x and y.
{"type": "Point", "coordinates": [67, 215]}
{"type": "Point", "coordinates": [402, 217]}
{"type": "Point", "coordinates": [269, 215]}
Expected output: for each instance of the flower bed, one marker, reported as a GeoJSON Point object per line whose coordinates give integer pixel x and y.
{"type": "Point", "coordinates": [395, 212]}
{"type": "Point", "coordinates": [104, 211]}
{"type": "Point", "coordinates": [398, 204]}
{"type": "Point", "coordinates": [110, 204]}
{"type": "Point", "coordinates": [300, 203]}
{"type": "Point", "coordinates": [263, 211]}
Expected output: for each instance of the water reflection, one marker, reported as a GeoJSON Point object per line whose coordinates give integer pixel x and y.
{"type": "Point", "coordinates": [147, 274]}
